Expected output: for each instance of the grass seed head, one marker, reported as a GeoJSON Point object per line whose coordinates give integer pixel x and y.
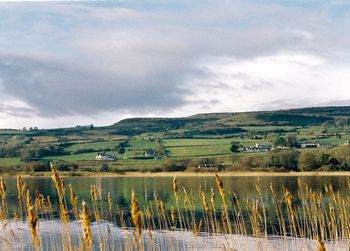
{"type": "Point", "coordinates": [135, 212]}
{"type": "Point", "coordinates": [86, 221]}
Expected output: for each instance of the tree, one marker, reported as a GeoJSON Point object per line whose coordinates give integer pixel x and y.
{"type": "Point", "coordinates": [250, 162]}
{"type": "Point", "coordinates": [121, 151]}
{"type": "Point", "coordinates": [308, 161]}
{"type": "Point", "coordinates": [281, 141]}
{"type": "Point", "coordinates": [292, 140]}
{"type": "Point", "coordinates": [160, 150]}
{"type": "Point", "coordinates": [342, 154]}
{"type": "Point", "coordinates": [105, 167]}
{"type": "Point", "coordinates": [341, 122]}
{"type": "Point", "coordinates": [234, 147]}
{"type": "Point", "coordinates": [283, 158]}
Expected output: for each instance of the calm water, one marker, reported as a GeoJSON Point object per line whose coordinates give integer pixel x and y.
{"type": "Point", "coordinates": [121, 187]}
{"type": "Point", "coordinates": [145, 187]}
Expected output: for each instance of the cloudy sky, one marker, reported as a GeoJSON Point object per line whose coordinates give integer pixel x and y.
{"type": "Point", "coordinates": [69, 63]}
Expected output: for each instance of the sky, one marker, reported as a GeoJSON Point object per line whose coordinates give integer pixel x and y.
{"type": "Point", "coordinates": [64, 64]}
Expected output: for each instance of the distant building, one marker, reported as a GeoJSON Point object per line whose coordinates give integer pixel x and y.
{"type": "Point", "coordinates": [314, 145]}
{"type": "Point", "coordinates": [150, 153]}
{"type": "Point", "coordinates": [105, 156]}
{"type": "Point", "coordinates": [263, 147]}
{"type": "Point", "coordinates": [35, 158]}
{"type": "Point", "coordinates": [324, 145]}
{"type": "Point", "coordinates": [257, 148]}
{"type": "Point", "coordinates": [308, 145]}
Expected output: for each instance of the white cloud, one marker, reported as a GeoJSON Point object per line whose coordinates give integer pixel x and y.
{"type": "Point", "coordinates": [262, 83]}
{"type": "Point", "coordinates": [101, 62]}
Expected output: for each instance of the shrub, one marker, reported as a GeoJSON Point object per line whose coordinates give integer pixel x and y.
{"type": "Point", "coordinates": [38, 167]}
{"type": "Point", "coordinates": [105, 167]}
{"type": "Point", "coordinates": [175, 166]}
{"type": "Point", "coordinates": [283, 158]}
{"type": "Point", "coordinates": [66, 166]}
{"type": "Point", "coordinates": [308, 161]}
{"type": "Point", "coordinates": [250, 162]}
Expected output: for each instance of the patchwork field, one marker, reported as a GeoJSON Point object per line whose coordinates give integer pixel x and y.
{"type": "Point", "coordinates": [208, 140]}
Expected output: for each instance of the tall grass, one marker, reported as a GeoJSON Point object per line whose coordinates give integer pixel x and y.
{"type": "Point", "coordinates": [320, 218]}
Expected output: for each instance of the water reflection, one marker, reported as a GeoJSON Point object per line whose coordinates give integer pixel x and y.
{"type": "Point", "coordinates": [145, 187]}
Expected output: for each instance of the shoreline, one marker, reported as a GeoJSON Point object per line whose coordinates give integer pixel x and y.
{"type": "Point", "coordinates": [184, 174]}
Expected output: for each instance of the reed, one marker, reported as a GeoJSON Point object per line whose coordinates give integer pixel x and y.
{"type": "Point", "coordinates": [322, 218]}
{"type": "Point", "coordinates": [86, 221]}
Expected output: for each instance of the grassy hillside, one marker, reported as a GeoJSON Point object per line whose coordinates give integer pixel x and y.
{"type": "Point", "coordinates": [186, 140]}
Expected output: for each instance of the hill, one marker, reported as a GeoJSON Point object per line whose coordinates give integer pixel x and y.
{"type": "Point", "coordinates": [157, 143]}
{"type": "Point", "coordinates": [218, 123]}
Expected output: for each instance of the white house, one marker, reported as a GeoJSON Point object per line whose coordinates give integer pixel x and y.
{"type": "Point", "coordinates": [308, 145]}
{"type": "Point", "coordinates": [105, 156]}
{"type": "Point", "coordinates": [150, 153]}
{"type": "Point", "coordinates": [257, 148]}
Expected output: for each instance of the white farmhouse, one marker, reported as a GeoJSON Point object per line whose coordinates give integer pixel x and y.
{"type": "Point", "coordinates": [105, 156]}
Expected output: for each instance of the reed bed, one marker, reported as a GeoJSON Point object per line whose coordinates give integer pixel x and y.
{"type": "Point", "coordinates": [306, 221]}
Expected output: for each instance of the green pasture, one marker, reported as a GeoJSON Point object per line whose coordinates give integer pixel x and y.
{"type": "Point", "coordinates": [93, 145]}
{"type": "Point", "coordinates": [10, 161]}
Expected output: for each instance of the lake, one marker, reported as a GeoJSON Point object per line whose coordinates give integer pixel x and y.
{"type": "Point", "coordinates": [145, 187]}
{"type": "Point", "coordinates": [241, 189]}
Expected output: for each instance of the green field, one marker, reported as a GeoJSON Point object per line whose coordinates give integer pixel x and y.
{"type": "Point", "coordinates": [202, 136]}
{"type": "Point", "coordinates": [10, 161]}
{"type": "Point", "coordinates": [93, 145]}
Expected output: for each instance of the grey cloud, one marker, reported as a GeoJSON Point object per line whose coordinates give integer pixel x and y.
{"type": "Point", "coordinates": [131, 60]}
{"type": "Point", "coordinates": [57, 88]}
{"type": "Point", "coordinates": [10, 110]}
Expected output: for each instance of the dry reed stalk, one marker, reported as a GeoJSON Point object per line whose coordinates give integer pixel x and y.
{"type": "Point", "coordinates": [61, 191]}
{"type": "Point", "coordinates": [3, 197]}
{"type": "Point", "coordinates": [135, 213]}
{"type": "Point", "coordinates": [187, 207]}
{"type": "Point", "coordinates": [224, 220]}
{"type": "Point", "coordinates": [49, 202]}
{"type": "Point", "coordinates": [73, 198]}
{"type": "Point", "coordinates": [281, 222]}
{"type": "Point", "coordinates": [110, 203]}
{"type": "Point", "coordinates": [93, 192]}
{"type": "Point", "coordinates": [255, 217]}
{"type": "Point", "coordinates": [220, 185]}
{"type": "Point", "coordinates": [33, 221]}
{"type": "Point", "coordinates": [321, 246]}
{"type": "Point", "coordinates": [175, 189]}
{"type": "Point", "coordinates": [212, 197]}
{"type": "Point", "coordinates": [20, 187]}
{"type": "Point", "coordinates": [172, 213]}
{"type": "Point", "coordinates": [86, 222]}
{"type": "Point", "coordinates": [205, 202]}
{"type": "Point", "coordinates": [28, 199]}
{"type": "Point", "coordinates": [40, 202]}
{"type": "Point", "coordinates": [291, 206]}
{"type": "Point", "coordinates": [177, 202]}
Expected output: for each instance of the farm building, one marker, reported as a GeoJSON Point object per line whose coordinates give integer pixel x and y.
{"type": "Point", "coordinates": [105, 156]}
{"type": "Point", "coordinates": [257, 148]}
{"type": "Point", "coordinates": [150, 153]}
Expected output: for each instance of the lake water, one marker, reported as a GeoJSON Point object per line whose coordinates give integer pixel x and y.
{"type": "Point", "coordinates": [145, 188]}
